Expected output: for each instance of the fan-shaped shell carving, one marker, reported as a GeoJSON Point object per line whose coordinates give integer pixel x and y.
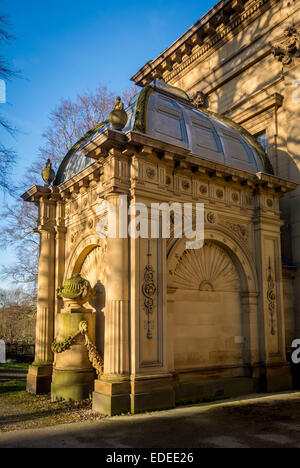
{"type": "Point", "coordinates": [93, 268]}
{"type": "Point", "coordinates": [206, 269]}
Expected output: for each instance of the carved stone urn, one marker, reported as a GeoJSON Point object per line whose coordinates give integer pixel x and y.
{"type": "Point", "coordinates": [73, 373]}
{"type": "Point", "coordinates": [48, 173]}
{"type": "Point", "coordinates": [76, 291]}
{"type": "Point", "coordinates": [118, 116]}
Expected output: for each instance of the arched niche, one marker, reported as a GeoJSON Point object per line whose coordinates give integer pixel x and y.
{"type": "Point", "coordinates": [209, 292]}
{"type": "Point", "coordinates": [89, 259]}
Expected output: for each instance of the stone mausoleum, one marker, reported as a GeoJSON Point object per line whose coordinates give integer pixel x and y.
{"type": "Point", "coordinates": [145, 323]}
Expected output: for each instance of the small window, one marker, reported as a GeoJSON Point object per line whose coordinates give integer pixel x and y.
{"type": "Point", "coordinates": [262, 140]}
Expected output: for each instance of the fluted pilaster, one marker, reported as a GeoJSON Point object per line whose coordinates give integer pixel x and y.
{"type": "Point", "coordinates": [45, 300]}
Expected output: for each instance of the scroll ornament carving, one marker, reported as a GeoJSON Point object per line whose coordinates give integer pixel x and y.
{"type": "Point", "coordinates": [149, 290]}
{"type": "Point", "coordinates": [239, 230]}
{"type": "Point", "coordinates": [271, 297]}
{"type": "Point", "coordinates": [288, 48]}
{"type": "Point", "coordinates": [74, 236]}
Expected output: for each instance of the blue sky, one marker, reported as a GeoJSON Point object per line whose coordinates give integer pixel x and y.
{"type": "Point", "coordinates": [65, 47]}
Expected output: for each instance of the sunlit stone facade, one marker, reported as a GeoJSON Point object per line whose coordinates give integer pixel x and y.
{"type": "Point", "coordinates": [221, 317]}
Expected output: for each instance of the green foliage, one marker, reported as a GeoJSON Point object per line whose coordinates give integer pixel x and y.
{"type": "Point", "coordinates": [15, 365]}
{"type": "Point", "coordinates": [12, 386]}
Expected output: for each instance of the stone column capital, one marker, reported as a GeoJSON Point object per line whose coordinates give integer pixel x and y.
{"type": "Point", "coordinates": [45, 229]}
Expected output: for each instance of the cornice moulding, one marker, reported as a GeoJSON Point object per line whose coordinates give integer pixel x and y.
{"type": "Point", "coordinates": [255, 108]}
{"type": "Point", "coordinates": [145, 75]}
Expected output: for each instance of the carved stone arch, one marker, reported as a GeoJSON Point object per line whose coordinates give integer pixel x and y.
{"type": "Point", "coordinates": [81, 251]}
{"type": "Point", "coordinates": [88, 258]}
{"type": "Point", "coordinates": [192, 301]}
{"type": "Point", "coordinates": [239, 255]}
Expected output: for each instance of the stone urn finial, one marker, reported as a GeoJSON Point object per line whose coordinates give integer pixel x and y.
{"type": "Point", "coordinates": [48, 173]}
{"type": "Point", "coordinates": [118, 116]}
{"type": "Point", "coordinates": [76, 290]}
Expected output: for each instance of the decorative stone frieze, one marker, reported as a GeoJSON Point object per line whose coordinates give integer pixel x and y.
{"type": "Point", "coordinates": [239, 229]}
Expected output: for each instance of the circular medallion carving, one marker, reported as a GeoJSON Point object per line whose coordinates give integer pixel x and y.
{"type": "Point", "coordinates": [185, 185]}
{"type": "Point", "coordinates": [211, 218]}
{"type": "Point", "coordinates": [270, 203]}
{"type": "Point", "coordinates": [150, 172]}
{"type": "Point", "coordinates": [220, 193]}
{"type": "Point", "coordinates": [203, 189]}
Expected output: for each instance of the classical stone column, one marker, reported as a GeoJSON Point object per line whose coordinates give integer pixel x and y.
{"type": "Point", "coordinates": [60, 245]}
{"type": "Point", "coordinates": [40, 373]}
{"type": "Point", "coordinates": [112, 392]}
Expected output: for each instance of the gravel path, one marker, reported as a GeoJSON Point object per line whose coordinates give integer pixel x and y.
{"type": "Point", "coordinates": [258, 421]}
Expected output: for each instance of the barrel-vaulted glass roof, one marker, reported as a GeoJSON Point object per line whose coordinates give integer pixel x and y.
{"type": "Point", "coordinates": [166, 113]}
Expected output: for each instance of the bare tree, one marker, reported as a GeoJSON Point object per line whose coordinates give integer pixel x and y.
{"type": "Point", "coordinates": [17, 316]}
{"type": "Point", "coordinates": [69, 121]}
{"type": "Point", "coordinates": [7, 155]}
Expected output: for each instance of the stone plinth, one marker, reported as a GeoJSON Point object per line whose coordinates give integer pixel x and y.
{"type": "Point", "coordinates": [39, 378]}
{"type": "Point", "coordinates": [73, 374]}
{"type": "Point", "coordinates": [111, 397]}
{"type": "Point", "coordinates": [152, 393]}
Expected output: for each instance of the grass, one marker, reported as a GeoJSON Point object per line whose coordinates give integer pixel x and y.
{"type": "Point", "coordinates": [15, 366]}
{"type": "Point", "coordinates": [10, 388]}
{"type": "Point", "coordinates": [19, 410]}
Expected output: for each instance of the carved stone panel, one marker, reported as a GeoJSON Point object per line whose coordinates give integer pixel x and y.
{"type": "Point", "coordinates": [151, 303]}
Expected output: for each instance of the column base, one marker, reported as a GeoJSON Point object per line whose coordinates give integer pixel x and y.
{"type": "Point", "coordinates": [39, 379]}
{"type": "Point", "coordinates": [111, 398]}
{"type": "Point", "coordinates": [151, 394]}
{"type": "Point", "coordinates": [276, 379]}
{"type": "Point", "coordinates": [72, 385]}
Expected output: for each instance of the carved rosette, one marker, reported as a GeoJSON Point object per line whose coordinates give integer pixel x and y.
{"type": "Point", "coordinates": [76, 289]}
